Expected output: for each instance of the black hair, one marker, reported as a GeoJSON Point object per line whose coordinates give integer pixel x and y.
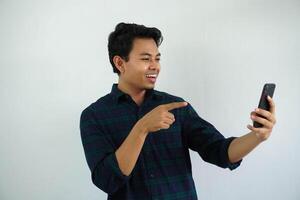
{"type": "Point", "coordinates": [120, 41]}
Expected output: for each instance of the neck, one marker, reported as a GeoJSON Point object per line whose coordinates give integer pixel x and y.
{"type": "Point", "coordinates": [136, 94]}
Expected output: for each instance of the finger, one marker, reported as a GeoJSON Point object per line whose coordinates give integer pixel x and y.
{"type": "Point", "coordinates": [170, 116]}
{"type": "Point", "coordinates": [165, 125]}
{"type": "Point", "coordinates": [272, 105]}
{"type": "Point", "coordinates": [171, 106]}
{"type": "Point", "coordinates": [253, 113]}
{"type": "Point", "coordinates": [257, 130]}
{"type": "Point", "coordinates": [262, 121]}
{"type": "Point", "coordinates": [265, 114]}
{"type": "Point", "coordinates": [252, 128]}
{"type": "Point", "coordinates": [168, 121]}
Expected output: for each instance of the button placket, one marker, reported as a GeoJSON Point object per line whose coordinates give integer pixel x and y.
{"type": "Point", "coordinates": [146, 153]}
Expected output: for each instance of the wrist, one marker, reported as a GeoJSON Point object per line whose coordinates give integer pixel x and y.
{"type": "Point", "coordinates": [257, 137]}
{"type": "Point", "coordinates": [141, 128]}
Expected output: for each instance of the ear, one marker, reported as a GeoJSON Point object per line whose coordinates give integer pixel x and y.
{"type": "Point", "coordinates": [119, 63]}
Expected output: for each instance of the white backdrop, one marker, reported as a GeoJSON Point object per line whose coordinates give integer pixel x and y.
{"type": "Point", "coordinates": [216, 54]}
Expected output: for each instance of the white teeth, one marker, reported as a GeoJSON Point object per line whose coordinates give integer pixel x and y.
{"type": "Point", "coordinates": [151, 75]}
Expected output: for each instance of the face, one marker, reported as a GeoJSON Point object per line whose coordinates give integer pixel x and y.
{"type": "Point", "coordinates": [142, 69]}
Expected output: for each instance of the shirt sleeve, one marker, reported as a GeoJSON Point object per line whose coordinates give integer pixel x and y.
{"type": "Point", "coordinates": [203, 137]}
{"type": "Point", "coordinates": [100, 154]}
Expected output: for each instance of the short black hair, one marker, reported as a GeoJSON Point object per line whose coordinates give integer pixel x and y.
{"type": "Point", "coordinates": [120, 41]}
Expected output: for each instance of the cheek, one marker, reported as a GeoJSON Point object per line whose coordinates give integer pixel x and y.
{"type": "Point", "coordinates": [136, 75]}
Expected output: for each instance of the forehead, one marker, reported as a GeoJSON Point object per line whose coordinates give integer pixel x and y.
{"type": "Point", "coordinates": [144, 45]}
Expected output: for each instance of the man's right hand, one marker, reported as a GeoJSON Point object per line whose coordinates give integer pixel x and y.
{"type": "Point", "coordinates": [160, 117]}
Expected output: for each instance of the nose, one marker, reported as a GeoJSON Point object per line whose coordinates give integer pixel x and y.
{"type": "Point", "coordinates": [154, 64]}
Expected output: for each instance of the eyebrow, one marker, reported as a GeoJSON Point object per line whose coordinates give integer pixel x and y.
{"type": "Point", "coordinates": [148, 54]}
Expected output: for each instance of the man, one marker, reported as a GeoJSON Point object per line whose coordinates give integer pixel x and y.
{"type": "Point", "coordinates": [137, 139]}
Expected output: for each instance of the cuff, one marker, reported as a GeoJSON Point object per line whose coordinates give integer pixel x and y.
{"type": "Point", "coordinates": [230, 165]}
{"type": "Point", "coordinates": [113, 164]}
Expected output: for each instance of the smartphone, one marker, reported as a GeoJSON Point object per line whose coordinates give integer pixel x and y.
{"type": "Point", "coordinates": [268, 90]}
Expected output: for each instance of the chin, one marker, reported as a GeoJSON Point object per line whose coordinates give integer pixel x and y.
{"type": "Point", "coordinates": [149, 86]}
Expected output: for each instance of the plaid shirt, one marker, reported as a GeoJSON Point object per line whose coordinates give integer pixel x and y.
{"type": "Point", "coordinates": [163, 169]}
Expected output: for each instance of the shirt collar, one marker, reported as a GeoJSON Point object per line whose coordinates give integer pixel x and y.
{"type": "Point", "coordinates": [117, 93]}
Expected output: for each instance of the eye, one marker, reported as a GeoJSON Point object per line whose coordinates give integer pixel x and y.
{"type": "Point", "coordinates": [145, 59]}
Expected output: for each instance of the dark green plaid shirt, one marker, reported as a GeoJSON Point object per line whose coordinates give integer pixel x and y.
{"type": "Point", "coordinates": [163, 169]}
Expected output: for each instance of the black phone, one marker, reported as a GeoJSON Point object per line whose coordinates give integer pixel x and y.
{"type": "Point", "coordinates": [268, 90]}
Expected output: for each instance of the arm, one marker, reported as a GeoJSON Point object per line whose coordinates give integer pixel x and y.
{"type": "Point", "coordinates": [130, 149]}
{"type": "Point", "coordinates": [100, 154]}
{"type": "Point", "coordinates": [241, 146]}
{"type": "Point", "coordinates": [158, 118]}
{"type": "Point", "coordinates": [201, 136]}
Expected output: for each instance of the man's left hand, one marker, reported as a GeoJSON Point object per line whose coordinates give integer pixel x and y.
{"type": "Point", "coordinates": [268, 121]}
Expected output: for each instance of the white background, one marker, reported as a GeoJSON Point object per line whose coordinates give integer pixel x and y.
{"type": "Point", "coordinates": [216, 54]}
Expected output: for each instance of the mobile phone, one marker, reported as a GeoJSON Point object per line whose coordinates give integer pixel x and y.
{"type": "Point", "coordinates": [268, 90]}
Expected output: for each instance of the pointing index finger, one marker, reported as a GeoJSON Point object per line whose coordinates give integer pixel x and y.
{"type": "Point", "coordinates": [174, 105]}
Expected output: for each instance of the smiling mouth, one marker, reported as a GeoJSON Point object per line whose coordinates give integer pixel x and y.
{"type": "Point", "coordinates": [151, 77]}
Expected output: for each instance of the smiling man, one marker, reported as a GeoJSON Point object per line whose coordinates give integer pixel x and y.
{"type": "Point", "coordinates": [137, 139]}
